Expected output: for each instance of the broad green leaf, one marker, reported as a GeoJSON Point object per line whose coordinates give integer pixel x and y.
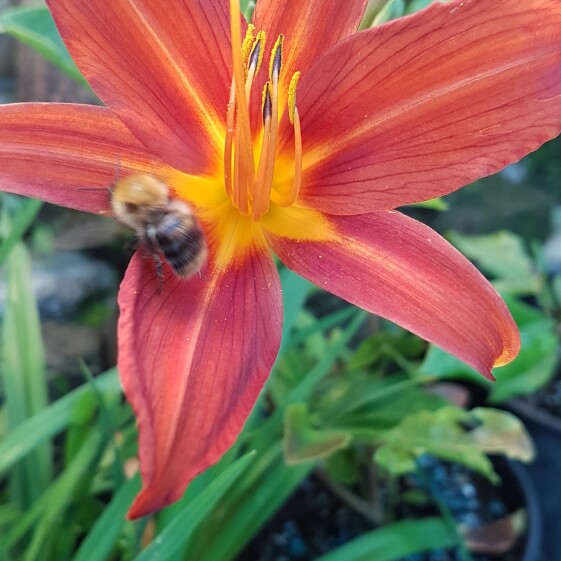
{"type": "Point", "coordinates": [532, 368]}
{"type": "Point", "coordinates": [35, 27]}
{"type": "Point", "coordinates": [50, 421]}
{"type": "Point", "coordinates": [395, 541]}
{"type": "Point", "coordinates": [173, 537]}
{"type": "Point", "coordinates": [302, 442]}
{"type": "Point", "coordinates": [344, 466]}
{"type": "Point", "coordinates": [395, 461]}
{"type": "Point", "coordinates": [357, 394]}
{"type": "Point", "coordinates": [500, 432]}
{"type": "Point", "coordinates": [103, 536]}
{"type": "Point", "coordinates": [440, 433]}
{"type": "Point", "coordinates": [503, 256]}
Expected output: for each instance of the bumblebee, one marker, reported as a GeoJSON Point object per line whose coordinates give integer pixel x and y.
{"type": "Point", "coordinates": [164, 226]}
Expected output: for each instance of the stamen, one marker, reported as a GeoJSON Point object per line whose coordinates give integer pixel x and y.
{"type": "Point", "coordinates": [276, 60]}
{"type": "Point", "coordinates": [297, 183]}
{"type": "Point", "coordinates": [269, 149]}
{"type": "Point", "coordinates": [243, 148]}
{"type": "Point", "coordinates": [294, 117]}
{"type": "Point", "coordinates": [257, 52]}
{"type": "Point", "coordinates": [248, 41]}
{"type": "Point", "coordinates": [259, 192]}
{"type": "Point", "coordinates": [292, 96]}
{"type": "Point", "coordinates": [229, 140]}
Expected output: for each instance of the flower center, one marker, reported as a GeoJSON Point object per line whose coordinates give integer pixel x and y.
{"type": "Point", "coordinates": [249, 187]}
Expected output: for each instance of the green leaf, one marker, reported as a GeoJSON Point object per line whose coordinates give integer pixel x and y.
{"type": "Point", "coordinates": [344, 466]}
{"type": "Point", "coordinates": [394, 541]}
{"type": "Point", "coordinates": [395, 461]}
{"type": "Point", "coordinates": [247, 7]}
{"type": "Point", "coordinates": [500, 432]}
{"type": "Point", "coordinates": [432, 204]}
{"type": "Point", "coordinates": [393, 9]}
{"type": "Point", "coordinates": [503, 256]}
{"type": "Point", "coordinates": [35, 27]}
{"type": "Point", "coordinates": [294, 292]}
{"type": "Point", "coordinates": [177, 532]}
{"type": "Point", "coordinates": [50, 421]}
{"type": "Point", "coordinates": [103, 536]}
{"type": "Point", "coordinates": [532, 368]}
{"type": "Point", "coordinates": [416, 5]}
{"type": "Point", "coordinates": [440, 433]}
{"type": "Point", "coordinates": [302, 442]}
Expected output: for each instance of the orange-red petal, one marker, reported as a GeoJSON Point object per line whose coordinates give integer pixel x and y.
{"type": "Point", "coordinates": [402, 270]}
{"type": "Point", "coordinates": [192, 361]}
{"type": "Point", "coordinates": [163, 67]}
{"type": "Point", "coordinates": [60, 153]}
{"type": "Point", "coordinates": [425, 104]}
{"type": "Point", "coordinates": [310, 28]}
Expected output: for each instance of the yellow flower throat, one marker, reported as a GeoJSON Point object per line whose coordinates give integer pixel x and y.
{"type": "Point", "coordinates": [250, 186]}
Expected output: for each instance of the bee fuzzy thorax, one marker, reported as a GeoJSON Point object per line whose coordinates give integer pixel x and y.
{"type": "Point", "coordinates": [163, 225]}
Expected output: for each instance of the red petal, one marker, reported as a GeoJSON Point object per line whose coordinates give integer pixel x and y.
{"type": "Point", "coordinates": [425, 104]}
{"type": "Point", "coordinates": [193, 360]}
{"type": "Point", "coordinates": [402, 270]}
{"type": "Point", "coordinates": [163, 67]}
{"type": "Point", "coordinates": [310, 28]}
{"type": "Point", "coordinates": [58, 152]}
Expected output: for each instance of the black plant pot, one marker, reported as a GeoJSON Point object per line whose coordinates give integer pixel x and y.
{"type": "Point", "coordinates": [534, 546]}
{"type": "Point", "coordinates": [545, 472]}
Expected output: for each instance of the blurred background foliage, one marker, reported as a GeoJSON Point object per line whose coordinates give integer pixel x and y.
{"type": "Point", "coordinates": [355, 406]}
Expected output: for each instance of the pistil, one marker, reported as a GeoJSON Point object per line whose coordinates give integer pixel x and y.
{"type": "Point", "coordinates": [249, 190]}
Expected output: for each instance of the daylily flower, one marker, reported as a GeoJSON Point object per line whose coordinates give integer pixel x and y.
{"type": "Point", "coordinates": [310, 169]}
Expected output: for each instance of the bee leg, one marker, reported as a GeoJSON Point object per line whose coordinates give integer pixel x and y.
{"type": "Point", "coordinates": [159, 271]}
{"type": "Point", "coordinates": [151, 245]}
{"type": "Point", "coordinates": [132, 245]}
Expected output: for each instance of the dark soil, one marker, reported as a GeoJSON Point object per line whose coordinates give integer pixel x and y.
{"type": "Point", "coordinates": [311, 523]}
{"type": "Point", "coordinates": [471, 499]}
{"type": "Point", "coordinates": [314, 521]}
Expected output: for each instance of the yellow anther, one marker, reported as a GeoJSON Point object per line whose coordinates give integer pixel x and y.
{"type": "Point", "coordinates": [292, 96]}
{"type": "Point", "coordinates": [258, 51]}
{"type": "Point", "coordinates": [275, 62]}
{"type": "Point", "coordinates": [248, 41]}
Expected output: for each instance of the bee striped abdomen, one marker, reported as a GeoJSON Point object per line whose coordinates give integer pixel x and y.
{"type": "Point", "coordinates": [182, 246]}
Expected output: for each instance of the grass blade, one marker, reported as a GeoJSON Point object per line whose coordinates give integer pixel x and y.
{"type": "Point", "coordinates": [50, 421]}
{"type": "Point", "coordinates": [103, 536]}
{"type": "Point", "coordinates": [19, 224]}
{"type": "Point", "coordinates": [35, 27]}
{"type": "Point", "coordinates": [176, 533]}
{"type": "Point", "coordinates": [395, 541]}
{"type": "Point", "coordinates": [23, 374]}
